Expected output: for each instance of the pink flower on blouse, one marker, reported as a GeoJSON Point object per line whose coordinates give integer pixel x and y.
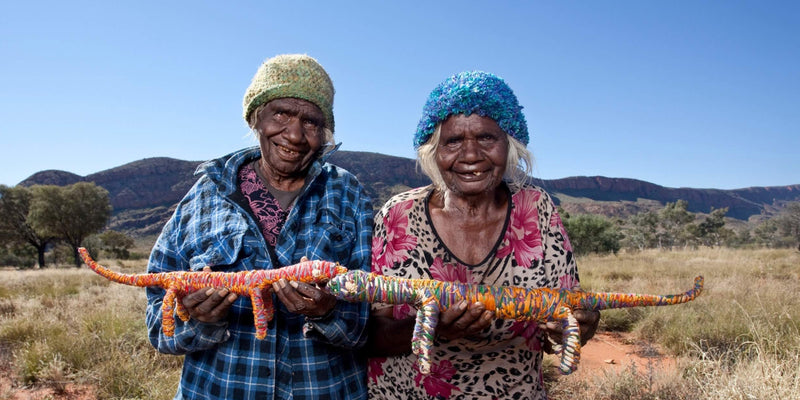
{"type": "Point", "coordinates": [523, 236]}
{"type": "Point", "coordinates": [529, 331]}
{"type": "Point", "coordinates": [555, 222]}
{"type": "Point", "coordinates": [375, 368]}
{"type": "Point", "coordinates": [450, 272]}
{"type": "Point", "coordinates": [568, 282]}
{"type": "Point", "coordinates": [377, 260]}
{"type": "Point", "coordinates": [398, 242]}
{"type": "Point", "coordinates": [436, 384]}
{"type": "Point", "coordinates": [403, 311]}
{"type": "Point", "coordinates": [250, 181]}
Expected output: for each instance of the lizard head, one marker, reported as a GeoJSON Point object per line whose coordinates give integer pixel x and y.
{"type": "Point", "coordinates": [339, 270]}
{"type": "Point", "coordinates": [325, 270]}
{"type": "Point", "coordinates": [346, 285]}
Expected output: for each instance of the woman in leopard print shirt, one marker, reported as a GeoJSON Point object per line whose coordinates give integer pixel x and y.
{"type": "Point", "coordinates": [477, 223]}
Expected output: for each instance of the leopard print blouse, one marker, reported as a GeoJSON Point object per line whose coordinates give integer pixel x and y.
{"type": "Point", "coordinates": [504, 361]}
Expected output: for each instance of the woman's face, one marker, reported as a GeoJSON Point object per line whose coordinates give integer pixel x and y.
{"type": "Point", "coordinates": [290, 134]}
{"type": "Point", "coordinates": [471, 154]}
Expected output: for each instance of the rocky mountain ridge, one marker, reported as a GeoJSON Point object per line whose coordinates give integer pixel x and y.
{"type": "Point", "coordinates": [143, 193]}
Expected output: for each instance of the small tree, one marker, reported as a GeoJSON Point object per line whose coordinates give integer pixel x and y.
{"type": "Point", "coordinates": [740, 238]}
{"type": "Point", "coordinates": [19, 255]}
{"type": "Point", "coordinates": [591, 233]}
{"type": "Point", "coordinates": [71, 213]}
{"type": "Point", "coordinates": [788, 222]}
{"type": "Point", "coordinates": [673, 220]}
{"type": "Point", "coordinates": [641, 230]}
{"type": "Point", "coordinates": [766, 234]}
{"type": "Point", "coordinates": [116, 243]}
{"type": "Point", "coordinates": [711, 231]}
{"type": "Point", "coordinates": [15, 226]}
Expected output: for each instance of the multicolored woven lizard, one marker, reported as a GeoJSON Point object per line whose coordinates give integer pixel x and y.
{"type": "Point", "coordinates": [432, 297]}
{"type": "Point", "coordinates": [254, 284]}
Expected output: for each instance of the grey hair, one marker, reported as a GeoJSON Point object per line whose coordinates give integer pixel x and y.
{"type": "Point", "coordinates": [327, 133]}
{"type": "Point", "coordinates": [519, 161]}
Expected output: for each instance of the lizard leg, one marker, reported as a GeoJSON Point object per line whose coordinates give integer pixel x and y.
{"type": "Point", "coordinates": [183, 313]}
{"type": "Point", "coordinates": [571, 350]}
{"type": "Point", "coordinates": [167, 310]}
{"type": "Point", "coordinates": [260, 312]}
{"type": "Point", "coordinates": [422, 339]}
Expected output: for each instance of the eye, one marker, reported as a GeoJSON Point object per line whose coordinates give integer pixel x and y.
{"type": "Point", "coordinates": [281, 117]}
{"type": "Point", "coordinates": [487, 138]}
{"type": "Point", "coordinates": [453, 142]}
{"type": "Point", "coordinates": [311, 124]}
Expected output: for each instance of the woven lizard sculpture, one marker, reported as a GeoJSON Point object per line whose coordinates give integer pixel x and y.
{"type": "Point", "coordinates": [244, 283]}
{"type": "Point", "coordinates": [543, 304]}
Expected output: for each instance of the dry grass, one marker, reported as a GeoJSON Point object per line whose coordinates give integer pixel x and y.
{"type": "Point", "coordinates": [739, 340]}
{"type": "Point", "coordinates": [69, 325]}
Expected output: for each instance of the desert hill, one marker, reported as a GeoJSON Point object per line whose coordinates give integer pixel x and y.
{"type": "Point", "coordinates": [143, 192]}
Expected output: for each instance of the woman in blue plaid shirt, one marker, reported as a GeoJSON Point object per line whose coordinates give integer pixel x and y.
{"type": "Point", "coordinates": [267, 207]}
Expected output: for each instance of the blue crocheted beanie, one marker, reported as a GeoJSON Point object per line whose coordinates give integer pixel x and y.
{"type": "Point", "coordinates": [473, 92]}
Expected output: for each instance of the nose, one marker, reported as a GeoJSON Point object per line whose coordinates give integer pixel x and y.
{"type": "Point", "coordinates": [294, 131]}
{"type": "Point", "coordinates": [470, 151]}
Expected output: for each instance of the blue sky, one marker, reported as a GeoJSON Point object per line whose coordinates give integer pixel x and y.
{"type": "Point", "coordinates": [701, 94]}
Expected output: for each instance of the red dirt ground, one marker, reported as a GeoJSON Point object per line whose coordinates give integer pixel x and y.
{"type": "Point", "coordinates": [9, 390]}
{"type": "Point", "coordinates": [615, 351]}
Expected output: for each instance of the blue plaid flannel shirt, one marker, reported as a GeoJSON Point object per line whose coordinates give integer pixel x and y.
{"type": "Point", "coordinates": [332, 220]}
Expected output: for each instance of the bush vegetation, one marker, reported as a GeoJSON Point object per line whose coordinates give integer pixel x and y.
{"type": "Point", "coordinates": [739, 340]}
{"type": "Point", "coordinates": [33, 230]}
{"type": "Point", "coordinates": [68, 325]}
{"type": "Point", "coordinates": [674, 227]}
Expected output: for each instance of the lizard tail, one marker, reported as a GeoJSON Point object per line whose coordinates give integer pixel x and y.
{"type": "Point", "coordinates": [132, 280]}
{"type": "Point", "coordinates": [603, 301]}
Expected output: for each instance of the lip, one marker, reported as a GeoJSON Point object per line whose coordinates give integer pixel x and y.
{"type": "Point", "coordinates": [472, 175]}
{"type": "Point", "coordinates": [287, 152]}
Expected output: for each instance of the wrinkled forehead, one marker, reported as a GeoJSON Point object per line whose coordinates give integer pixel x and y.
{"type": "Point", "coordinates": [295, 106]}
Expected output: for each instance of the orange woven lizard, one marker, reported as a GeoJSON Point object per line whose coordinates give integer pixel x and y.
{"type": "Point", "coordinates": [253, 284]}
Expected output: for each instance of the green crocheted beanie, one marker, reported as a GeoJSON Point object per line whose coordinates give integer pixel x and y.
{"type": "Point", "coordinates": [291, 75]}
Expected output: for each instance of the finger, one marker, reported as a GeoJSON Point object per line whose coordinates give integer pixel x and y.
{"type": "Point", "coordinates": [477, 309]}
{"type": "Point", "coordinates": [551, 327]}
{"type": "Point", "coordinates": [293, 301]}
{"type": "Point", "coordinates": [484, 320]}
{"type": "Point", "coordinates": [221, 310]}
{"type": "Point", "coordinates": [468, 318]}
{"type": "Point", "coordinates": [280, 291]}
{"type": "Point", "coordinates": [217, 297]}
{"type": "Point", "coordinates": [554, 327]}
{"type": "Point", "coordinates": [542, 326]}
{"type": "Point", "coordinates": [193, 299]}
{"type": "Point", "coordinates": [319, 302]}
{"type": "Point", "coordinates": [307, 291]}
{"type": "Point", "coordinates": [452, 313]}
{"type": "Point", "coordinates": [554, 331]}
{"type": "Point", "coordinates": [207, 269]}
